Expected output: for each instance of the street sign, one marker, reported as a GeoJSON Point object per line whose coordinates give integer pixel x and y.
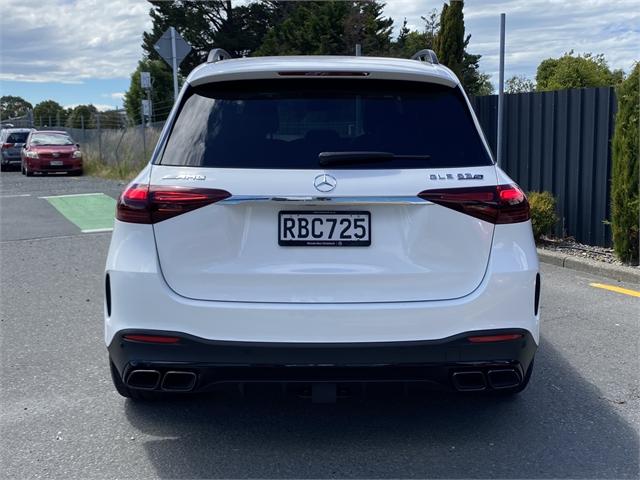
{"type": "Point", "coordinates": [145, 80]}
{"type": "Point", "coordinates": [173, 48]}
{"type": "Point", "coordinates": [146, 108]}
{"type": "Point", "coordinates": [165, 50]}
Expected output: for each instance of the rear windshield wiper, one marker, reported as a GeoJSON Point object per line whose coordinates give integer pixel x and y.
{"type": "Point", "coordinates": [356, 157]}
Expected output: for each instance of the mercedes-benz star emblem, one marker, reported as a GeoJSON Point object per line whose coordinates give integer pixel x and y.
{"type": "Point", "coordinates": [325, 183]}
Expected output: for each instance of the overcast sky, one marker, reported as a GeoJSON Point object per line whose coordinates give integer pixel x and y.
{"type": "Point", "coordinates": [83, 51]}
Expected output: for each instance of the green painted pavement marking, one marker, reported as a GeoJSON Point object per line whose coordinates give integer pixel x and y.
{"type": "Point", "coordinates": [92, 212]}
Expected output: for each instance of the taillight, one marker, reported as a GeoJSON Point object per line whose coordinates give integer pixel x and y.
{"type": "Point", "coordinates": [496, 204]}
{"type": "Point", "coordinates": [6, 145]}
{"type": "Point", "coordinates": [153, 204]}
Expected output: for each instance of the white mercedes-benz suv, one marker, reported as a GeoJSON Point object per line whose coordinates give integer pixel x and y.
{"type": "Point", "coordinates": [321, 220]}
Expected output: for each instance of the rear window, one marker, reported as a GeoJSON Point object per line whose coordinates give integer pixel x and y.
{"type": "Point", "coordinates": [17, 137]}
{"type": "Point", "coordinates": [288, 124]}
{"type": "Point", "coordinates": [51, 139]}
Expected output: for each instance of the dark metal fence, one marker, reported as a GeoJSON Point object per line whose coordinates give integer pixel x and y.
{"type": "Point", "coordinates": [560, 142]}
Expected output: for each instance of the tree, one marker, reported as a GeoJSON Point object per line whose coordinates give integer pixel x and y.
{"type": "Point", "coordinates": [12, 106]}
{"type": "Point", "coordinates": [161, 93]}
{"type": "Point", "coordinates": [49, 113]}
{"type": "Point", "coordinates": [519, 84]}
{"type": "Point", "coordinates": [625, 201]}
{"type": "Point", "coordinates": [450, 45]}
{"type": "Point", "coordinates": [450, 42]}
{"type": "Point", "coordinates": [112, 119]}
{"type": "Point", "coordinates": [575, 71]}
{"type": "Point", "coordinates": [82, 116]}
{"type": "Point", "coordinates": [239, 29]}
{"type": "Point", "coordinates": [409, 41]}
{"type": "Point", "coordinates": [329, 28]}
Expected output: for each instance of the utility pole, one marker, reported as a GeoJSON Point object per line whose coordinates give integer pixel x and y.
{"type": "Point", "coordinates": [501, 91]}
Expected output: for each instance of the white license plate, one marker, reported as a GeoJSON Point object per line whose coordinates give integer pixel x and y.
{"type": "Point", "coordinates": [324, 229]}
{"type": "Point", "coordinates": [55, 163]}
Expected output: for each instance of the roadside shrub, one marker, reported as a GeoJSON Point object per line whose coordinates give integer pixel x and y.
{"type": "Point", "coordinates": [543, 213]}
{"type": "Point", "coordinates": [625, 205]}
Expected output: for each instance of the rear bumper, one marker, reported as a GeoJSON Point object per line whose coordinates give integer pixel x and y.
{"type": "Point", "coordinates": [45, 165]}
{"type": "Point", "coordinates": [140, 299]}
{"type": "Point", "coordinates": [7, 160]}
{"type": "Point", "coordinates": [216, 362]}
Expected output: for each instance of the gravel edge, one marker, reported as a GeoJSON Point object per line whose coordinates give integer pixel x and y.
{"type": "Point", "coordinates": [620, 273]}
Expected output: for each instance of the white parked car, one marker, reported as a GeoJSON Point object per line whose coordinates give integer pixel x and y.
{"type": "Point", "coordinates": [321, 220]}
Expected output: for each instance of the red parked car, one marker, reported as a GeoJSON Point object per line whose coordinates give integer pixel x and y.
{"type": "Point", "coordinates": [51, 151]}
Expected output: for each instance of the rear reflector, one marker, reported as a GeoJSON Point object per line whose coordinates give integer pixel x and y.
{"type": "Point", "coordinates": [151, 339]}
{"type": "Point", "coordinates": [495, 338]}
{"type": "Point", "coordinates": [497, 204]}
{"type": "Point", "coordinates": [153, 204]}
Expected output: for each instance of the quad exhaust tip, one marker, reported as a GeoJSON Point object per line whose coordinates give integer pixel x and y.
{"type": "Point", "coordinates": [469, 381]}
{"type": "Point", "coordinates": [496, 379]}
{"type": "Point", "coordinates": [503, 378]}
{"type": "Point", "coordinates": [178, 381]}
{"type": "Point", "coordinates": [144, 379]}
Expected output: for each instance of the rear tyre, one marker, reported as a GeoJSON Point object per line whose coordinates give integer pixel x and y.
{"type": "Point", "coordinates": [131, 393]}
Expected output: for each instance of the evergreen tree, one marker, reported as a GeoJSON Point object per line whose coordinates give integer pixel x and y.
{"type": "Point", "coordinates": [625, 201]}
{"type": "Point", "coordinates": [239, 28]}
{"type": "Point", "coordinates": [82, 115]}
{"type": "Point", "coordinates": [49, 113]}
{"type": "Point", "coordinates": [330, 28]}
{"type": "Point", "coordinates": [450, 42]}
{"type": "Point", "coordinates": [450, 45]}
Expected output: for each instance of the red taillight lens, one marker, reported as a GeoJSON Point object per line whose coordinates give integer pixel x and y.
{"type": "Point", "coordinates": [495, 338]}
{"type": "Point", "coordinates": [496, 204]}
{"type": "Point", "coordinates": [133, 205]}
{"type": "Point", "coordinates": [151, 339]}
{"type": "Point", "coordinates": [6, 145]}
{"type": "Point", "coordinates": [153, 204]}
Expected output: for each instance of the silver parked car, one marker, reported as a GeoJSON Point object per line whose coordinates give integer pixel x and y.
{"type": "Point", "coordinates": [12, 141]}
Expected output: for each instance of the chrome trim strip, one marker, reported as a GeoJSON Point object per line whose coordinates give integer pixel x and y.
{"type": "Point", "coordinates": [311, 200]}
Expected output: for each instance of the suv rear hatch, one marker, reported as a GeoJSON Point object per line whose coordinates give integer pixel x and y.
{"type": "Point", "coordinates": [353, 154]}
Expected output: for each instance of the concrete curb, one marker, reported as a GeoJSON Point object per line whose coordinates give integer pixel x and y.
{"type": "Point", "coordinates": [617, 272]}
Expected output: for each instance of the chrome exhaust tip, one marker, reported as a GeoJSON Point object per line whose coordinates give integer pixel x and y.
{"type": "Point", "coordinates": [469, 381]}
{"type": "Point", "coordinates": [143, 379]}
{"type": "Point", "coordinates": [175, 381]}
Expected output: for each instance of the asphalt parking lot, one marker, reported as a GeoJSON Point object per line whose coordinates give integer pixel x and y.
{"type": "Point", "coordinates": [61, 417]}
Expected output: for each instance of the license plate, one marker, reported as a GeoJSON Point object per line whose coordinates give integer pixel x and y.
{"type": "Point", "coordinates": [55, 163]}
{"type": "Point", "coordinates": [324, 229]}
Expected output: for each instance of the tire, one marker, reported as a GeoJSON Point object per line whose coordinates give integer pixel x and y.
{"type": "Point", "coordinates": [22, 168]}
{"type": "Point", "coordinates": [27, 172]}
{"type": "Point", "coordinates": [132, 393]}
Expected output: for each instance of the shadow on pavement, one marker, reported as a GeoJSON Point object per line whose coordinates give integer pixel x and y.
{"type": "Point", "coordinates": [559, 427]}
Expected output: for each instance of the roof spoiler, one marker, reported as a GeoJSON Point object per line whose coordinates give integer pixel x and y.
{"type": "Point", "coordinates": [218, 54]}
{"type": "Point", "coordinates": [426, 55]}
